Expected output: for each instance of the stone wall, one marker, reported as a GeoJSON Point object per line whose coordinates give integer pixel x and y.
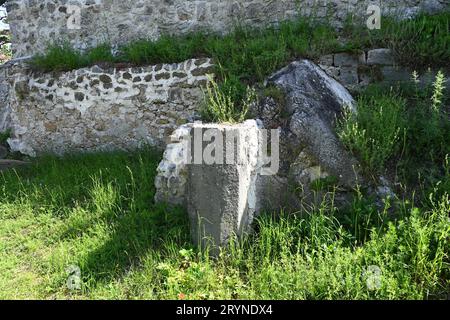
{"type": "Point", "coordinates": [356, 71]}
{"type": "Point", "coordinates": [35, 24]}
{"type": "Point", "coordinates": [92, 108]}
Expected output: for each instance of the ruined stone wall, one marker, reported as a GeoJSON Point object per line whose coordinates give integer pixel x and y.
{"type": "Point", "coordinates": [36, 23]}
{"type": "Point", "coordinates": [95, 109]}
{"type": "Point", "coordinates": [356, 71]}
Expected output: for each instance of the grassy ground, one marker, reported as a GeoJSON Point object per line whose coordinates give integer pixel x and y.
{"type": "Point", "coordinates": [95, 213]}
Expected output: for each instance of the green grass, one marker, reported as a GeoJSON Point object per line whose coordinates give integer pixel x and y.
{"type": "Point", "coordinates": [96, 212]}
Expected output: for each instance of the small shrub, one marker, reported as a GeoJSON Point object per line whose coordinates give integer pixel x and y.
{"type": "Point", "coordinates": [374, 132]}
{"type": "Point", "coordinates": [220, 107]}
{"type": "Point", "coordinates": [438, 92]}
{"type": "Point", "coordinates": [428, 133]}
{"type": "Point", "coordinates": [59, 57]}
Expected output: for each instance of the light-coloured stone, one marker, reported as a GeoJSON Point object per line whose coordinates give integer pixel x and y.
{"type": "Point", "coordinates": [172, 174]}
{"type": "Point", "coordinates": [4, 100]}
{"type": "Point", "coordinates": [97, 109]}
{"type": "Point", "coordinates": [222, 197]}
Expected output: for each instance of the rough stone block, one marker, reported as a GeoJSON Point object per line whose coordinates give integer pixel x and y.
{"type": "Point", "coordinates": [331, 71]}
{"type": "Point", "coordinates": [395, 74]}
{"type": "Point", "coordinates": [345, 60]}
{"type": "Point", "coordinates": [222, 197]}
{"type": "Point", "coordinates": [172, 172]}
{"type": "Point", "coordinates": [326, 60]}
{"type": "Point", "coordinates": [348, 76]}
{"type": "Point", "coordinates": [380, 57]}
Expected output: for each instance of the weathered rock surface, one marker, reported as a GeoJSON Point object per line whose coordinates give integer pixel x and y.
{"type": "Point", "coordinates": [380, 57]}
{"type": "Point", "coordinates": [313, 101]}
{"type": "Point", "coordinates": [219, 193]}
{"type": "Point", "coordinates": [172, 172]}
{"type": "Point", "coordinates": [4, 99]}
{"type": "Point", "coordinates": [221, 198]}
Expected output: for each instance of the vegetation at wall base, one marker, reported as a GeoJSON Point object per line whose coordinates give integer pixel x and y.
{"type": "Point", "coordinates": [247, 56]}
{"type": "Point", "coordinates": [5, 46]}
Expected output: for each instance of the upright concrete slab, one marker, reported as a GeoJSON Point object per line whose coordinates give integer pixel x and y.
{"type": "Point", "coordinates": [222, 196]}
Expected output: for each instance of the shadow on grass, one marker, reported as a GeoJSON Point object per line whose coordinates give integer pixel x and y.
{"type": "Point", "coordinates": [132, 237]}
{"type": "Point", "coordinates": [106, 203]}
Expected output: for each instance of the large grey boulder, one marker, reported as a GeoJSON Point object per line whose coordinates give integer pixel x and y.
{"type": "Point", "coordinates": [310, 148]}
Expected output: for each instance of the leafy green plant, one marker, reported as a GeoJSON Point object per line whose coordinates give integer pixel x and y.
{"type": "Point", "coordinates": [374, 132]}
{"type": "Point", "coordinates": [438, 92]}
{"type": "Point", "coordinates": [220, 107]}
